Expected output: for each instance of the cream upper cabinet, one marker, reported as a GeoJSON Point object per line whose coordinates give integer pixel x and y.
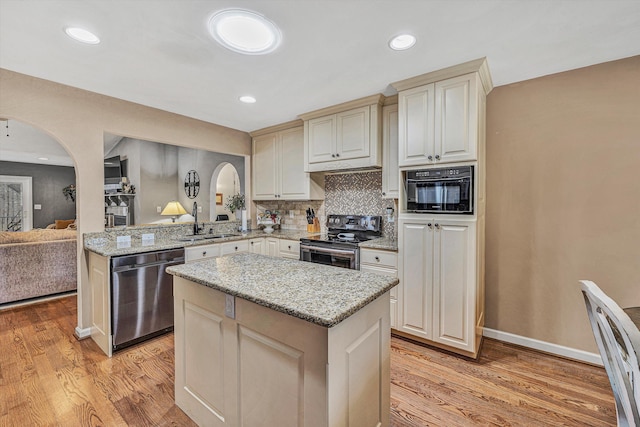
{"type": "Point", "coordinates": [278, 166]}
{"type": "Point", "coordinates": [390, 172]}
{"type": "Point", "coordinates": [346, 136]}
{"type": "Point", "coordinates": [438, 295]}
{"type": "Point", "coordinates": [439, 117]}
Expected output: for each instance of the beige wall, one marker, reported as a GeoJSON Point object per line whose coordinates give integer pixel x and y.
{"type": "Point", "coordinates": [77, 119]}
{"type": "Point", "coordinates": [563, 199]}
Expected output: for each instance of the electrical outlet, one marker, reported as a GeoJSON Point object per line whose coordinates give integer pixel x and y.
{"type": "Point", "coordinates": [199, 209]}
{"type": "Point", "coordinates": [158, 209]}
{"type": "Point", "coordinates": [291, 215]}
{"type": "Point", "coordinates": [37, 207]}
{"type": "Point", "coordinates": [230, 306]}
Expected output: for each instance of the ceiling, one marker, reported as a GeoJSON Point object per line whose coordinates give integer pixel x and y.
{"type": "Point", "coordinates": [159, 53]}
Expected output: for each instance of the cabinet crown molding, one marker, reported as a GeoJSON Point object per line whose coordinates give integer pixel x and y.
{"type": "Point", "coordinates": [345, 106]}
{"type": "Point", "coordinates": [277, 128]}
{"type": "Point", "coordinates": [479, 66]}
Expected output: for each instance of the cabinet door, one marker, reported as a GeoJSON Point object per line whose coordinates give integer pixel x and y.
{"type": "Point", "coordinates": [416, 278]}
{"type": "Point", "coordinates": [257, 246]}
{"type": "Point", "coordinates": [390, 174]}
{"type": "Point", "coordinates": [322, 135]}
{"type": "Point", "coordinates": [352, 134]}
{"type": "Point", "coordinates": [272, 246]}
{"type": "Point", "coordinates": [456, 112]}
{"type": "Point", "coordinates": [234, 247]}
{"type": "Point", "coordinates": [454, 284]}
{"type": "Point", "coordinates": [416, 126]}
{"type": "Point", "coordinates": [265, 164]}
{"type": "Point", "coordinates": [294, 182]}
{"type": "Point", "coordinates": [289, 248]}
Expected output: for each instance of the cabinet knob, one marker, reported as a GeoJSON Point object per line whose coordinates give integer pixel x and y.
{"type": "Point", "coordinates": [204, 253]}
{"type": "Point", "coordinates": [236, 248]}
{"type": "Point", "coordinates": [437, 225]}
{"type": "Point", "coordinates": [437, 156]}
{"type": "Point", "coordinates": [378, 258]}
{"type": "Point", "coordinates": [333, 155]}
{"type": "Point", "coordinates": [337, 154]}
{"type": "Point", "coordinates": [252, 243]}
{"type": "Point", "coordinates": [384, 194]}
{"type": "Point", "coordinates": [429, 224]}
{"type": "Point", "coordinates": [430, 157]}
{"type": "Point", "coordinates": [289, 247]}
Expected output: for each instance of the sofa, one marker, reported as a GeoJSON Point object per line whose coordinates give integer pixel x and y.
{"type": "Point", "coordinates": [37, 263]}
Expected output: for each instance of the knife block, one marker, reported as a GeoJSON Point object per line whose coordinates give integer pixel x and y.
{"type": "Point", "coordinates": [315, 227]}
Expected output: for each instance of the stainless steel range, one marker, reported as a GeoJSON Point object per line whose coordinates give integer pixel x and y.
{"type": "Point", "coordinates": [339, 247]}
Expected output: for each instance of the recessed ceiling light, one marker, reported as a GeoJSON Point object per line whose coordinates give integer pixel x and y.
{"type": "Point", "coordinates": [402, 42]}
{"type": "Point", "coordinates": [43, 158]}
{"type": "Point", "coordinates": [244, 31]}
{"type": "Point", "coordinates": [82, 35]}
{"type": "Point", "coordinates": [247, 99]}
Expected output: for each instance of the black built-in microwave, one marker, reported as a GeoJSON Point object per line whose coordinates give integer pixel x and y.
{"type": "Point", "coordinates": [440, 190]}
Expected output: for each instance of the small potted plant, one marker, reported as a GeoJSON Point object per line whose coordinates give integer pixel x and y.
{"type": "Point", "coordinates": [235, 203]}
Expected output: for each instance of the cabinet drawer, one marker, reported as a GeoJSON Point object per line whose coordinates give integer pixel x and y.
{"type": "Point", "coordinates": [289, 247]}
{"type": "Point", "coordinates": [379, 258]}
{"type": "Point", "coordinates": [196, 253]}
{"type": "Point", "coordinates": [236, 246]}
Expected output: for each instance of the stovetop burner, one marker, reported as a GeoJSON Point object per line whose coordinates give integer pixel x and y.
{"type": "Point", "coordinates": [349, 230]}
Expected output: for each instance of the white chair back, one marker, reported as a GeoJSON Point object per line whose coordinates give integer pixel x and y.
{"type": "Point", "coordinates": [618, 340]}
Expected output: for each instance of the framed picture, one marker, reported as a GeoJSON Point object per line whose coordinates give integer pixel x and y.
{"type": "Point", "coordinates": [218, 198]}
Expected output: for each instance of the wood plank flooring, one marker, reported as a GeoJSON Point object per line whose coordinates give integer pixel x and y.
{"type": "Point", "coordinates": [48, 378]}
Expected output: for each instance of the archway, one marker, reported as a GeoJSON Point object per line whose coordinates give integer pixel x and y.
{"type": "Point", "coordinates": [34, 156]}
{"type": "Point", "coordinates": [225, 182]}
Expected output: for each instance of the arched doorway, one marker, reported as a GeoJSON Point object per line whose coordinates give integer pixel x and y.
{"type": "Point", "coordinates": [225, 182]}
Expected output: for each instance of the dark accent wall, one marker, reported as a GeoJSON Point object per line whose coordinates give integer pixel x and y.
{"type": "Point", "coordinates": [48, 182]}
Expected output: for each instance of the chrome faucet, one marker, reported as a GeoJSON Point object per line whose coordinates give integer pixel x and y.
{"type": "Point", "coordinates": [194, 214]}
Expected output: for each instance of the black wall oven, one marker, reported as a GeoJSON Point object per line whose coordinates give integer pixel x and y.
{"type": "Point", "coordinates": [440, 190]}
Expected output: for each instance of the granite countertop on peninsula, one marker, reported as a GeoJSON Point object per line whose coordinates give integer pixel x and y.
{"type": "Point", "coordinates": [317, 293]}
{"type": "Point", "coordinates": [96, 242]}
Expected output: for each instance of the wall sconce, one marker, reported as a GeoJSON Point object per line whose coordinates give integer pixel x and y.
{"type": "Point", "coordinates": [174, 209]}
{"type": "Point", "coordinates": [390, 214]}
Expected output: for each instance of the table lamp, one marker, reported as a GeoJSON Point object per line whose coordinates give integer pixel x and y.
{"type": "Point", "coordinates": [174, 209]}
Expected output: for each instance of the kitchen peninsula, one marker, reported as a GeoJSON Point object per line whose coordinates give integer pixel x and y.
{"type": "Point", "coordinates": [271, 341]}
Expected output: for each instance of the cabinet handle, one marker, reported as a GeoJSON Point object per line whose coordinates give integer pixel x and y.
{"type": "Point", "coordinates": [430, 157]}
{"type": "Point", "coordinates": [437, 156]}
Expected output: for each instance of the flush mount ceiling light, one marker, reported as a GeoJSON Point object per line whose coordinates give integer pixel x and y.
{"type": "Point", "coordinates": [402, 42]}
{"type": "Point", "coordinates": [247, 99]}
{"type": "Point", "coordinates": [244, 31]}
{"type": "Point", "coordinates": [82, 35]}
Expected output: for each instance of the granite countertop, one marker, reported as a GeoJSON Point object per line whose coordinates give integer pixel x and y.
{"type": "Point", "coordinates": [317, 293]}
{"type": "Point", "coordinates": [384, 243]}
{"type": "Point", "coordinates": [110, 247]}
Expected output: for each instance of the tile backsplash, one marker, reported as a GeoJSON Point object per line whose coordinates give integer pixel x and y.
{"type": "Point", "coordinates": [348, 193]}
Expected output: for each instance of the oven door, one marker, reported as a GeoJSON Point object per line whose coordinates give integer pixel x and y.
{"type": "Point", "coordinates": [345, 258]}
{"type": "Point", "coordinates": [445, 195]}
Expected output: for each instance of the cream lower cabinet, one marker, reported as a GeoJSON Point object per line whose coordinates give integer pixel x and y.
{"type": "Point", "coordinates": [386, 263]}
{"type": "Point", "coordinates": [260, 367]}
{"type": "Point", "coordinates": [100, 281]}
{"type": "Point", "coordinates": [289, 248]}
{"type": "Point", "coordinates": [272, 246]}
{"type": "Point", "coordinates": [278, 167]}
{"type": "Point", "coordinates": [438, 291]}
{"type": "Point", "coordinates": [257, 246]}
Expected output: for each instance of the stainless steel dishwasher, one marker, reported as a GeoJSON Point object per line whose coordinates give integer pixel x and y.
{"type": "Point", "coordinates": [142, 296]}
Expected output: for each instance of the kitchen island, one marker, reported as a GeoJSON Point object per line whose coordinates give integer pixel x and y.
{"type": "Point", "coordinates": [263, 341]}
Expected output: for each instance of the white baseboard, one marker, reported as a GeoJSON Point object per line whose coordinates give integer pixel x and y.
{"type": "Point", "coordinates": [82, 333]}
{"type": "Point", "coordinates": [544, 346]}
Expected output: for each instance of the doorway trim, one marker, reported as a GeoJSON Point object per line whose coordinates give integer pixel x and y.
{"type": "Point", "coordinates": [27, 197]}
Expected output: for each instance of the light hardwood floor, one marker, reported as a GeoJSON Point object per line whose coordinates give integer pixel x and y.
{"type": "Point", "coordinates": [48, 378]}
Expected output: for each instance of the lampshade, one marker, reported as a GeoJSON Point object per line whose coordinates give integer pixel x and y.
{"type": "Point", "coordinates": [174, 209]}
